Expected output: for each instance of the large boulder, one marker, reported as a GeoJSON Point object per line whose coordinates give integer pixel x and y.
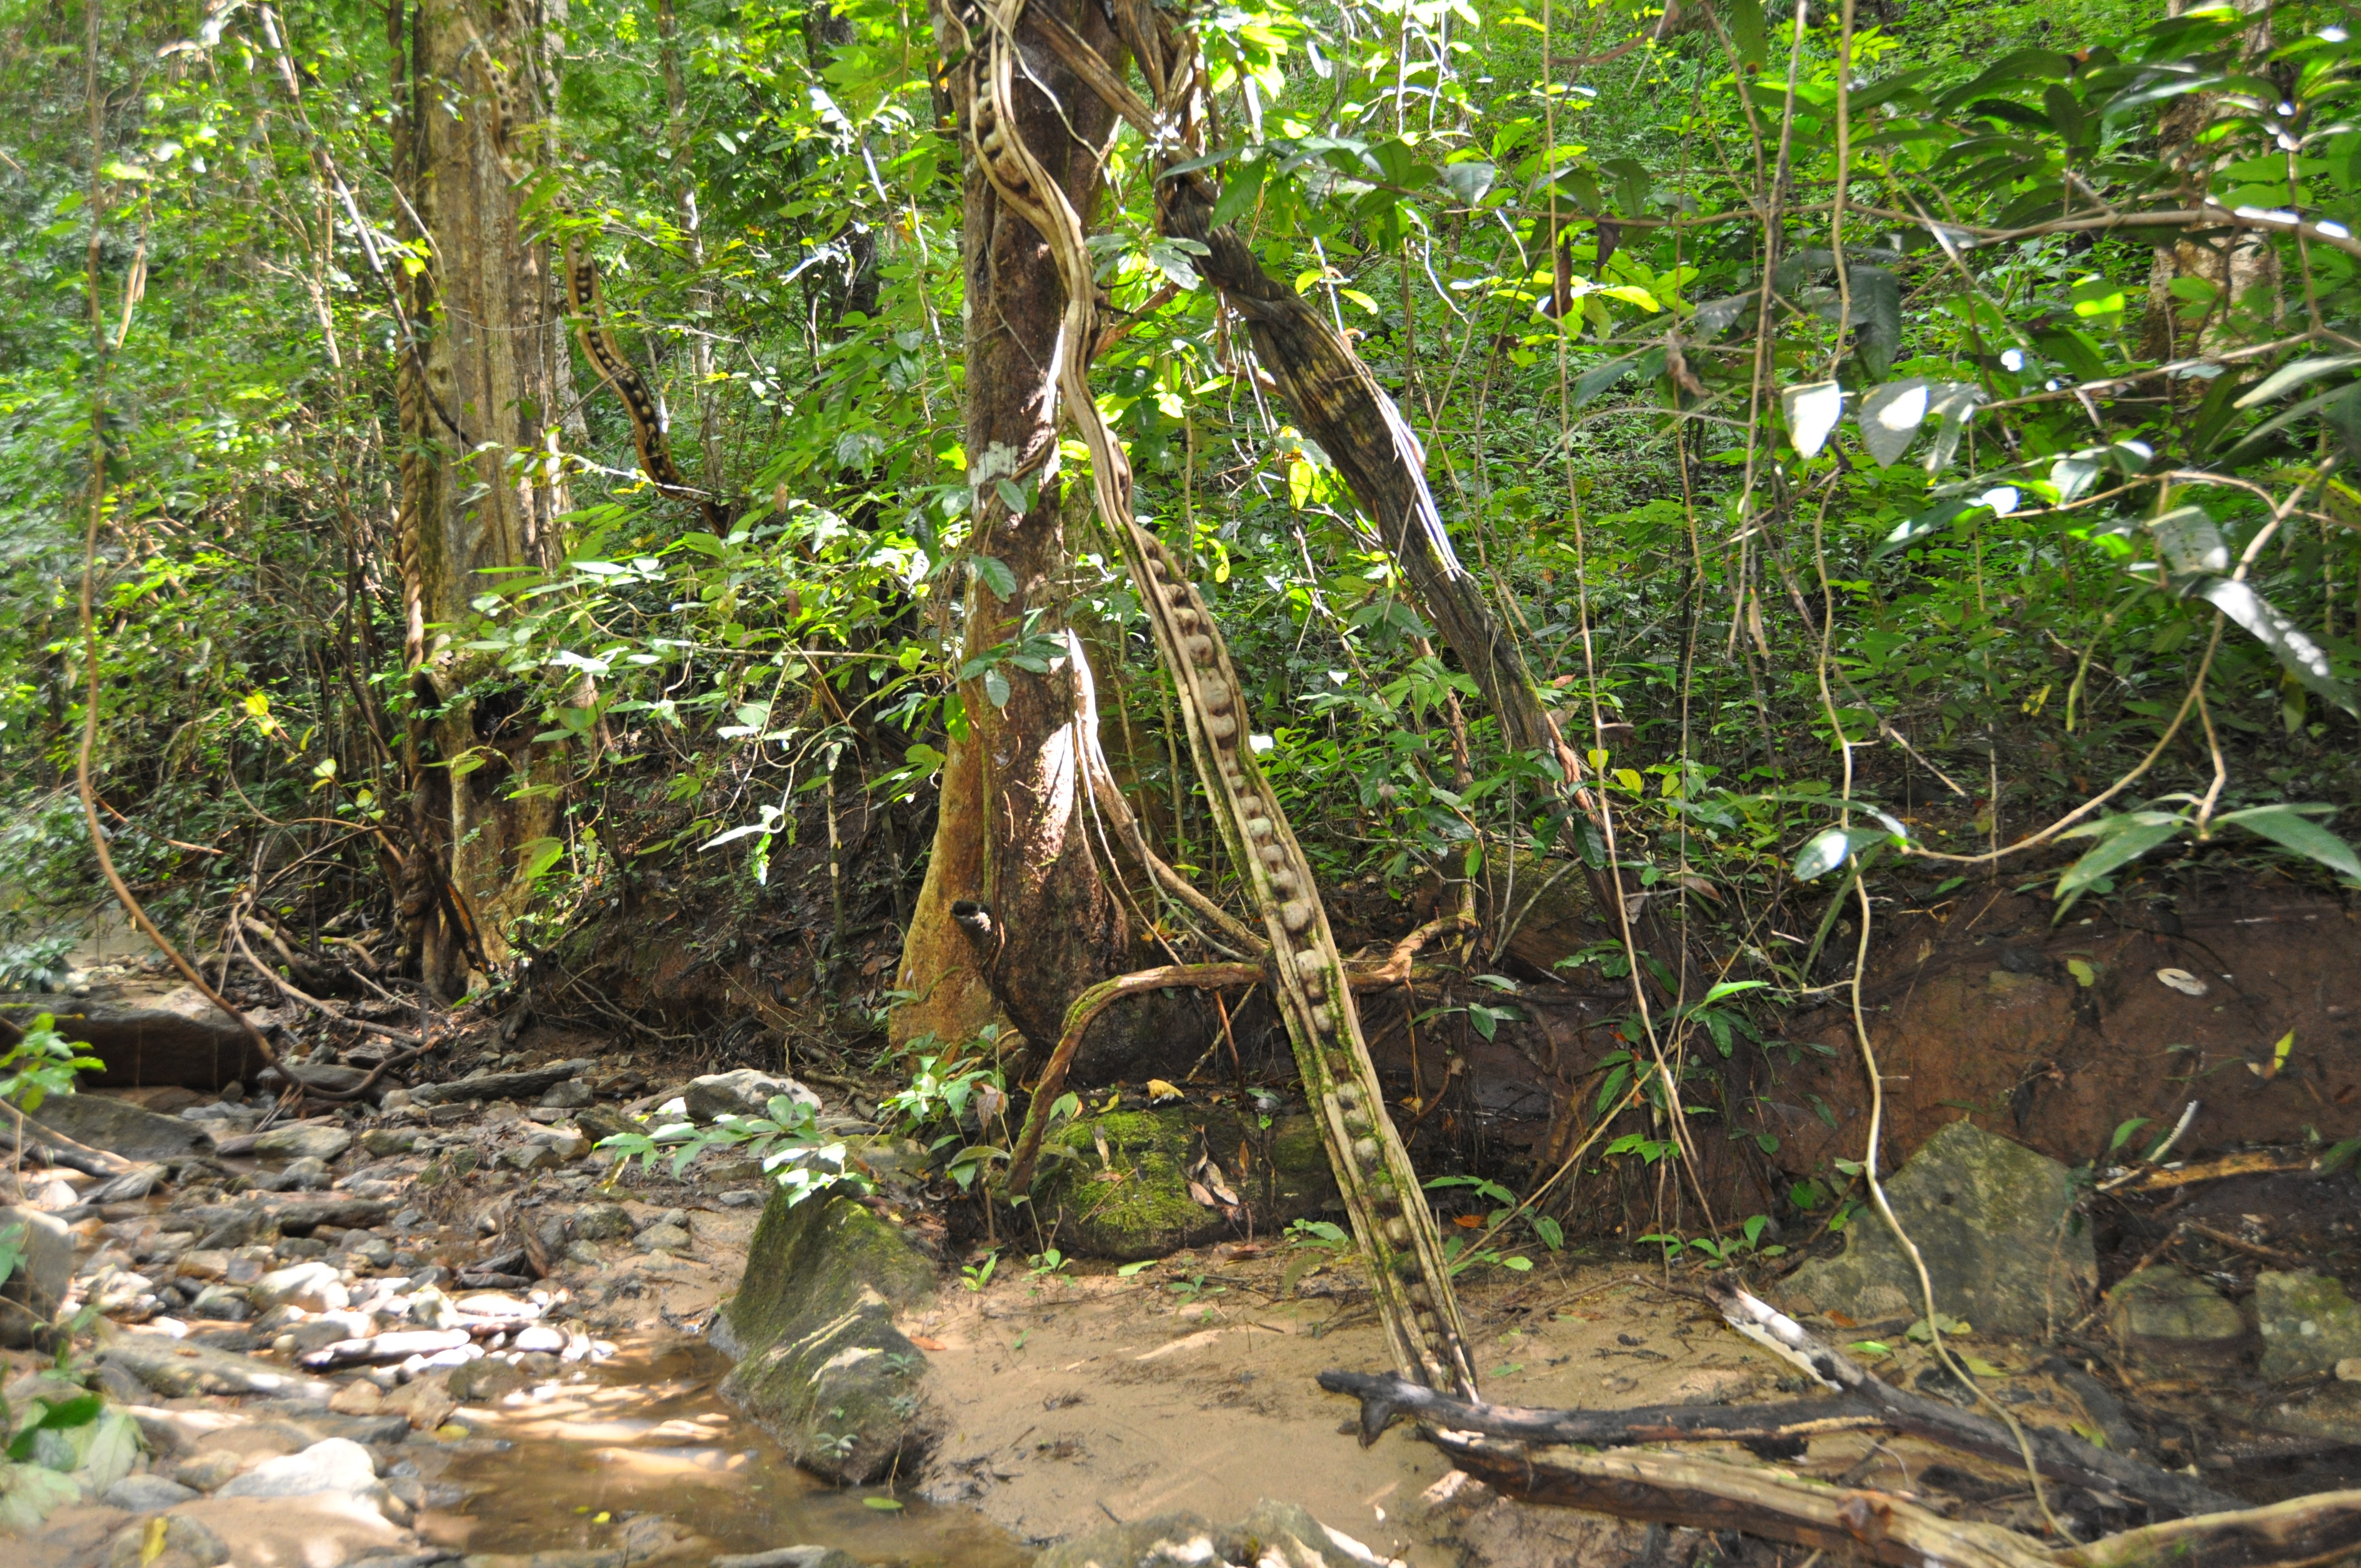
{"type": "Point", "coordinates": [175, 1037]}
{"type": "Point", "coordinates": [1994, 1223]}
{"type": "Point", "coordinates": [120, 1127]}
{"type": "Point", "coordinates": [819, 1361]}
{"type": "Point", "coordinates": [1272, 1535]}
{"type": "Point", "coordinates": [1136, 1201]}
{"type": "Point", "coordinates": [742, 1093]}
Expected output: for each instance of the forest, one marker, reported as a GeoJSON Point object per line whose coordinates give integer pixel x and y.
{"type": "Point", "coordinates": [1425, 661]}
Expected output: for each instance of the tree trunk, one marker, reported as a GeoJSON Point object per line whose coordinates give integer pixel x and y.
{"type": "Point", "coordinates": [1016, 835]}
{"type": "Point", "coordinates": [484, 488]}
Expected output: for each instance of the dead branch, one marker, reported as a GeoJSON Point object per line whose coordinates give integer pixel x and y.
{"type": "Point", "coordinates": [2323, 1527]}
{"type": "Point", "coordinates": [43, 1142]}
{"type": "Point", "coordinates": [2059, 1456]}
{"type": "Point", "coordinates": [1708, 1494]}
{"type": "Point", "coordinates": [1783, 1427]}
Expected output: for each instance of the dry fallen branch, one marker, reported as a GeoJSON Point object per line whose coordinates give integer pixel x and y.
{"type": "Point", "coordinates": [1708, 1494]}
{"type": "Point", "coordinates": [2059, 1456]}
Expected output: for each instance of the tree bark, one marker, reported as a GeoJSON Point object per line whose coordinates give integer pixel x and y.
{"type": "Point", "coordinates": [485, 488]}
{"type": "Point", "coordinates": [1016, 834]}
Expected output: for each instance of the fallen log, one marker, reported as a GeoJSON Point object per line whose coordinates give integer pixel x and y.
{"type": "Point", "coordinates": [2322, 1528]}
{"type": "Point", "coordinates": [1710, 1494]}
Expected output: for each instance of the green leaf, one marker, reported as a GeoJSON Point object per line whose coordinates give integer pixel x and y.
{"type": "Point", "coordinates": [1890, 418]}
{"type": "Point", "coordinates": [2290, 828]}
{"type": "Point", "coordinates": [1877, 310]}
{"type": "Point", "coordinates": [535, 856]}
{"type": "Point", "coordinates": [1811, 411]}
{"type": "Point", "coordinates": [2287, 377]}
{"type": "Point", "coordinates": [2289, 643]}
{"type": "Point", "coordinates": [884, 1505]}
{"type": "Point", "coordinates": [1599, 378]}
{"type": "Point", "coordinates": [1469, 181]}
{"type": "Point", "coordinates": [997, 575]}
{"type": "Point", "coordinates": [2122, 839]}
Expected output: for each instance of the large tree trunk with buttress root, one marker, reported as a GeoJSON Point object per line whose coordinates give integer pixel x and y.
{"type": "Point", "coordinates": [483, 482]}
{"type": "Point", "coordinates": [1017, 917]}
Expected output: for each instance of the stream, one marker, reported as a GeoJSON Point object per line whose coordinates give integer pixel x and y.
{"type": "Point", "coordinates": [647, 1433]}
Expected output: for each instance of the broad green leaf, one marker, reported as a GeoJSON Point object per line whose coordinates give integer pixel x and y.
{"type": "Point", "coordinates": [2122, 839]}
{"type": "Point", "coordinates": [2288, 642]}
{"type": "Point", "coordinates": [997, 575]}
{"type": "Point", "coordinates": [2287, 377]}
{"type": "Point", "coordinates": [1890, 418]}
{"type": "Point", "coordinates": [1599, 378]}
{"type": "Point", "coordinates": [1954, 404]}
{"type": "Point", "coordinates": [2190, 540]}
{"type": "Point", "coordinates": [1468, 181]}
{"type": "Point", "coordinates": [1811, 411]}
{"type": "Point", "coordinates": [2292, 827]}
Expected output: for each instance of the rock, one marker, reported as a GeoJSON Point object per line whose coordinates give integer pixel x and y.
{"type": "Point", "coordinates": [1993, 1221]}
{"type": "Point", "coordinates": [664, 1238]}
{"type": "Point", "coordinates": [376, 1252]}
{"type": "Point", "coordinates": [614, 1558]}
{"type": "Point", "coordinates": [480, 1382]}
{"type": "Point", "coordinates": [304, 1216]}
{"type": "Point", "coordinates": [2308, 1323]}
{"type": "Point", "coordinates": [598, 1121]}
{"type": "Point", "coordinates": [744, 1092]}
{"type": "Point", "coordinates": [336, 1467]}
{"type": "Point", "coordinates": [120, 1127]}
{"type": "Point", "coordinates": [225, 1303]}
{"type": "Point", "coordinates": [188, 1538]}
{"type": "Point", "coordinates": [1272, 1535]}
{"type": "Point", "coordinates": [176, 1368]}
{"type": "Point", "coordinates": [209, 1470]}
{"type": "Point", "coordinates": [38, 1286]}
{"type": "Point", "coordinates": [601, 1223]}
{"type": "Point", "coordinates": [426, 1402]}
{"type": "Point", "coordinates": [302, 1142]}
{"type": "Point", "coordinates": [327, 1529]}
{"type": "Point", "coordinates": [306, 1175]}
{"type": "Point", "coordinates": [820, 1360]}
{"type": "Point", "coordinates": [2168, 1317]}
{"type": "Point", "coordinates": [146, 1494]}
{"type": "Point", "coordinates": [790, 1557]}
{"type": "Point", "coordinates": [358, 1397]}
{"type": "Point", "coordinates": [652, 1538]}
{"type": "Point", "coordinates": [179, 1037]}
{"type": "Point", "coordinates": [2331, 1411]}
{"type": "Point", "coordinates": [315, 1287]}
{"type": "Point", "coordinates": [527, 1084]}
{"type": "Point", "coordinates": [570, 1095]}
{"type": "Point", "coordinates": [384, 1142]}
{"type": "Point", "coordinates": [538, 1154]}
{"type": "Point", "coordinates": [1145, 1209]}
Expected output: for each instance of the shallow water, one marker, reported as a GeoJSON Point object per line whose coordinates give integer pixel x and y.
{"type": "Point", "coordinates": [648, 1432]}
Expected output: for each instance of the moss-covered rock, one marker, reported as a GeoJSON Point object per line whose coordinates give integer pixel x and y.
{"type": "Point", "coordinates": [819, 1361]}
{"type": "Point", "coordinates": [1133, 1201]}
{"type": "Point", "coordinates": [2172, 1320]}
{"type": "Point", "coordinates": [2308, 1320]}
{"type": "Point", "coordinates": [1995, 1224]}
